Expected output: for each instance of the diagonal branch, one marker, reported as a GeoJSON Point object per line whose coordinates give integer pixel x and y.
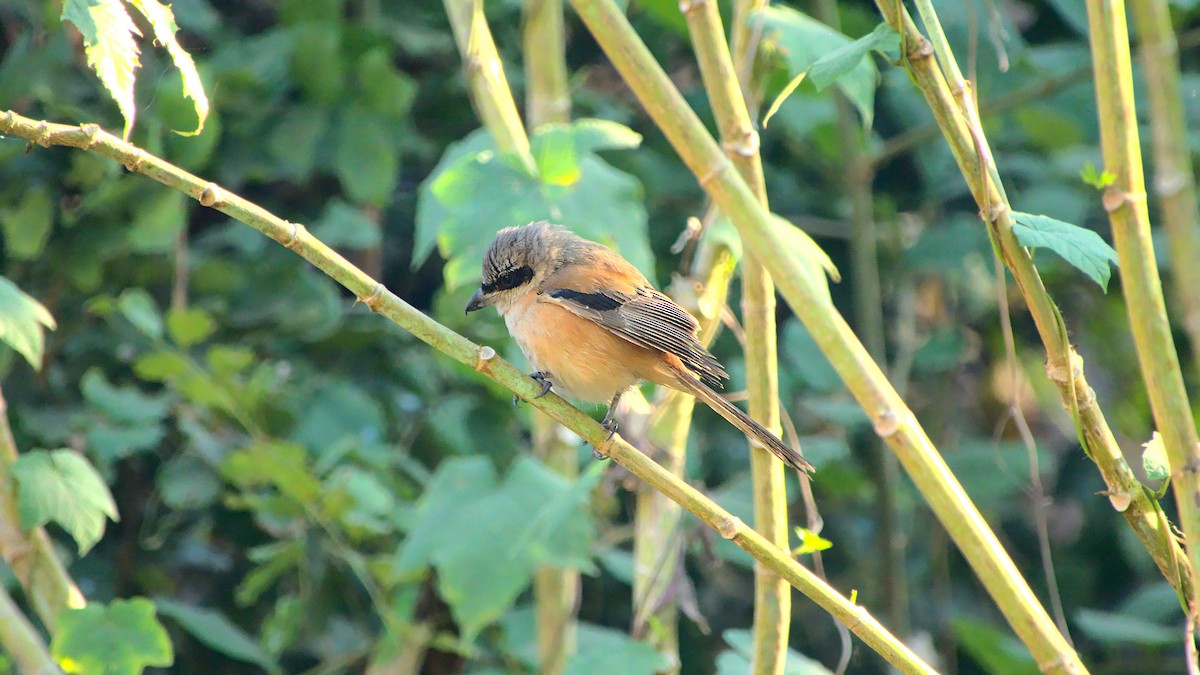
{"type": "Point", "coordinates": [296, 237]}
{"type": "Point", "coordinates": [890, 416]}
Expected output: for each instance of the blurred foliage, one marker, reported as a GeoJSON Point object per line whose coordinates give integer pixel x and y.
{"type": "Point", "coordinates": [301, 487]}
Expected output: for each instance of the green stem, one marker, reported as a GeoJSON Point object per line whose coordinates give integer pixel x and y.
{"type": "Point", "coordinates": [556, 591]}
{"type": "Point", "coordinates": [772, 598]}
{"type": "Point", "coordinates": [1174, 180]}
{"type": "Point", "coordinates": [20, 640]}
{"type": "Point", "coordinates": [868, 305]}
{"type": "Point", "coordinates": [30, 554]}
{"type": "Point", "coordinates": [483, 359]}
{"type": "Point", "coordinates": [547, 96]}
{"type": "Point", "coordinates": [1125, 201]}
{"type": "Point", "coordinates": [485, 72]}
{"type": "Point", "coordinates": [1063, 365]}
{"type": "Point", "coordinates": [891, 417]}
{"type": "Point", "coordinates": [658, 530]}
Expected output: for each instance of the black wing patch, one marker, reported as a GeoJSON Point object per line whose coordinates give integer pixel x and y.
{"type": "Point", "coordinates": [650, 319]}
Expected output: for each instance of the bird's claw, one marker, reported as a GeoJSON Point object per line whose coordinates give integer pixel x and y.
{"type": "Point", "coordinates": [611, 426]}
{"type": "Point", "coordinates": [544, 380]}
{"type": "Point", "coordinates": [541, 378]}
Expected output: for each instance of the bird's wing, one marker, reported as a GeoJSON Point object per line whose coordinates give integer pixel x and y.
{"type": "Point", "coordinates": [642, 315]}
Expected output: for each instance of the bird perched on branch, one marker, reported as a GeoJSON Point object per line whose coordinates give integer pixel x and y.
{"type": "Point", "coordinates": [593, 326]}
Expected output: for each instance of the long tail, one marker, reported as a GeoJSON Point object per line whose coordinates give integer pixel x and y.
{"type": "Point", "coordinates": [753, 430]}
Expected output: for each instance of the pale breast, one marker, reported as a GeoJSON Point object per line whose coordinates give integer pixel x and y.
{"type": "Point", "coordinates": [584, 360]}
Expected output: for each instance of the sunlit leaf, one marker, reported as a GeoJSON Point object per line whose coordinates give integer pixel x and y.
{"type": "Point", "coordinates": [162, 22]}
{"type": "Point", "coordinates": [810, 542]}
{"type": "Point", "coordinates": [111, 48]}
{"type": "Point", "coordinates": [1154, 459]}
{"type": "Point", "coordinates": [122, 638]}
{"type": "Point", "coordinates": [22, 322]}
{"type": "Point", "coordinates": [61, 486]}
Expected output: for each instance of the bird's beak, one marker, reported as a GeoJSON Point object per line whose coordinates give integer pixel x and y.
{"type": "Point", "coordinates": [477, 301]}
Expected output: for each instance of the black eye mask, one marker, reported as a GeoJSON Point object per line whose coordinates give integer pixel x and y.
{"type": "Point", "coordinates": [509, 279]}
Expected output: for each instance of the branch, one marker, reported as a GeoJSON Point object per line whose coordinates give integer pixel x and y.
{"type": "Point", "coordinates": [20, 640]}
{"type": "Point", "coordinates": [30, 554]}
{"type": "Point", "coordinates": [547, 95]}
{"type": "Point", "coordinates": [1125, 201]}
{"type": "Point", "coordinates": [1174, 181]}
{"type": "Point", "coordinates": [1064, 366]}
{"type": "Point", "coordinates": [890, 416]}
{"type": "Point", "coordinates": [772, 601]}
{"type": "Point", "coordinates": [297, 238]}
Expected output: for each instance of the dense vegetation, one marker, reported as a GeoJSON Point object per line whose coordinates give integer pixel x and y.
{"type": "Point", "coordinates": [299, 485]}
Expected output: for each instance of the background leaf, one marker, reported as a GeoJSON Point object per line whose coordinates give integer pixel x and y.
{"type": "Point", "coordinates": [119, 639]}
{"type": "Point", "coordinates": [61, 486]}
{"type": "Point", "coordinates": [1083, 248]}
{"type": "Point", "coordinates": [22, 320]}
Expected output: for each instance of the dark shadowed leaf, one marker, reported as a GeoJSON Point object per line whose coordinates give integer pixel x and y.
{"type": "Point", "coordinates": [1110, 628]}
{"type": "Point", "coordinates": [217, 632]}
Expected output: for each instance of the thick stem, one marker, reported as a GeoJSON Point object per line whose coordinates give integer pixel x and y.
{"type": "Point", "coordinates": [30, 554]}
{"type": "Point", "coordinates": [1125, 201]}
{"type": "Point", "coordinates": [1174, 180]}
{"type": "Point", "coordinates": [1064, 366]}
{"type": "Point", "coordinates": [482, 358]}
{"type": "Point", "coordinates": [868, 317]}
{"type": "Point", "coordinates": [20, 640]}
{"type": "Point", "coordinates": [772, 597]}
{"type": "Point", "coordinates": [891, 417]}
{"type": "Point", "coordinates": [485, 73]}
{"type": "Point", "coordinates": [547, 95]}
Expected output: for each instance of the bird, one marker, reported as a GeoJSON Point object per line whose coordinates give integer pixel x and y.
{"type": "Point", "coordinates": [593, 326]}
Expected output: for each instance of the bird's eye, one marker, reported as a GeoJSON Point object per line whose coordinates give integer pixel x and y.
{"type": "Point", "coordinates": [509, 279]}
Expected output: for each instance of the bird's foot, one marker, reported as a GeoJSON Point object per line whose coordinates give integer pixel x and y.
{"type": "Point", "coordinates": [611, 426]}
{"type": "Point", "coordinates": [542, 378]}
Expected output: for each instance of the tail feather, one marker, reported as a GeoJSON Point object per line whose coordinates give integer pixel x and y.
{"type": "Point", "coordinates": [753, 430]}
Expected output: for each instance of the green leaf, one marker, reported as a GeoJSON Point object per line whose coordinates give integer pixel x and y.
{"type": "Point", "coordinates": [1109, 628]}
{"type": "Point", "coordinates": [810, 542]}
{"type": "Point", "coordinates": [186, 483]}
{"type": "Point", "coordinates": [26, 225]}
{"type": "Point", "coordinates": [845, 59]}
{"type": "Point", "coordinates": [110, 48]}
{"type": "Point", "coordinates": [736, 660]}
{"type": "Point", "coordinates": [128, 405]}
{"type": "Point", "coordinates": [121, 639]}
{"type": "Point", "coordinates": [341, 224]}
{"type": "Point", "coordinates": [1081, 247]}
{"type": "Point", "coordinates": [157, 220]}
{"type": "Point", "coordinates": [1154, 459]}
{"type": "Point", "coordinates": [318, 66]}
{"type": "Point", "coordinates": [803, 248]}
{"type": "Point", "coordinates": [365, 158]}
{"type": "Point", "coordinates": [1096, 179]}
{"type": "Point", "coordinates": [160, 366]}
{"type": "Point", "coordinates": [22, 320]}
{"type": "Point", "coordinates": [217, 632]}
{"type": "Point", "coordinates": [804, 41]}
{"type": "Point", "coordinates": [441, 501]}
{"type": "Point", "coordinates": [162, 22]}
{"type": "Point", "coordinates": [604, 650]}
{"type": "Point", "coordinates": [282, 465]}
{"type": "Point", "coordinates": [385, 89]}
{"type": "Point", "coordinates": [189, 326]}
{"type": "Point", "coordinates": [475, 191]}
{"type": "Point", "coordinates": [140, 309]}
{"type": "Point", "coordinates": [996, 652]}
{"type": "Point", "coordinates": [62, 486]}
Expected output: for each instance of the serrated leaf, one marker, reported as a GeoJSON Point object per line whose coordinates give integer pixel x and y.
{"type": "Point", "coordinates": [475, 191]}
{"type": "Point", "coordinates": [22, 321]}
{"type": "Point", "coordinates": [63, 487]}
{"type": "Point", "coordinates": [1154, 459]}
{"type": "Point", "coordinates": [189, 326]}
{"type": "Point", "coordinates": [1082, 248]}
{"type": "Point", "coordinates": [803, 41]}
{"type": "Point", "coordinates": [26, 225]}
{"type": "Point", "coordinates": [162, 22]}
{"type": "Point", "coordinates": [110, 47]}
{"type": "Point", "coordinates": [140, 309]}
{"type": "Point", "coordinates": [217, 632]}
{"type": "Point", "coordinates": [121, 639]}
